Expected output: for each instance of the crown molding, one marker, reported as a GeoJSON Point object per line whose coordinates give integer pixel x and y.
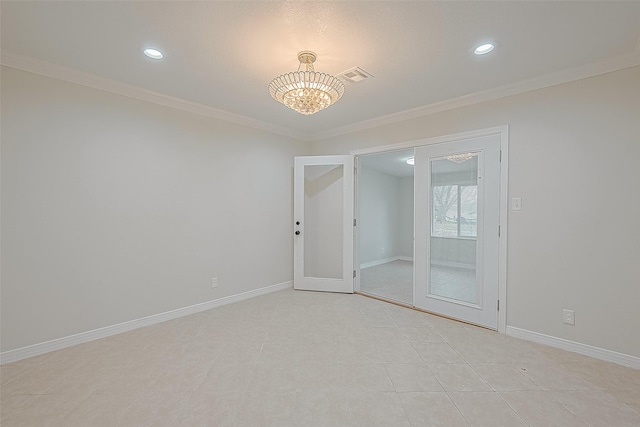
{"type": "Point", "coordinates": [547, 80]}
{"type": "Point", "coordinates": [59, 72]}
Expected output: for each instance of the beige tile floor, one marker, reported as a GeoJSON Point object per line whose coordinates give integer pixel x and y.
{"type": "Point", "coordinates": [455, 283]}
{"type": "Point", "coordinates": [296, 358]}
{"type": "Point", "coordinates": [394, 281]}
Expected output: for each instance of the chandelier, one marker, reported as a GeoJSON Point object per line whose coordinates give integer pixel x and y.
{"type": "Point", "coordinates": [306, 91]}
{"type": "Point", "coordinates": [459, 158]}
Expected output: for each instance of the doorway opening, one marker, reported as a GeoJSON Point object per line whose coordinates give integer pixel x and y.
{"type": "Point", "coordinates": [435, 241]}
{"type": "Point", "coordinates": [385, 230]}
{"type": "Point", "coordinates": [450, 210]}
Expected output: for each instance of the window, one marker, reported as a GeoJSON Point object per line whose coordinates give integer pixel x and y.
{"type": "Point", "coordinates": [455, 211]}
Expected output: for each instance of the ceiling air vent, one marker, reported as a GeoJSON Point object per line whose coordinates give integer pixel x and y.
{"type": "Point", "coordinates": [354, 75]}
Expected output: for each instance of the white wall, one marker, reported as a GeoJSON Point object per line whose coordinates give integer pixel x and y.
{"type": "Point", "coordinates": [405, 232]}
{"type": "Point", "coordinates": [454, 252]}
{"type": "Point", "coordinates": [378, 214]}
{"type": "Point", "coordinates": [381, 212]}
{"type": "Point", "coordinates": [114, 209]}
{"type": "Point", "coordinates": [574, 151]}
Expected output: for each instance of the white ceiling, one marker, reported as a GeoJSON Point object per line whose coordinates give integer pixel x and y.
{"type": "Point", "coordinates": [224, 54]}
{"type": "Point", "coordinates": [394, 163]}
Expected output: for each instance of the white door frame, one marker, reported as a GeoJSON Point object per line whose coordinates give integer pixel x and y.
{"type": "Point", "coordinates": [503, 132]}
{"type": "Point", "coordinates": [356, 225]}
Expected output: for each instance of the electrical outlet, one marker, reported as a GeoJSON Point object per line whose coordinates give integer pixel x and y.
{"type": "Point", "coordinates": [568, 317]}
{"type": "Point", "coordinates": [516, 204]}
{"type": "Point", "coordinates": [214, 283]}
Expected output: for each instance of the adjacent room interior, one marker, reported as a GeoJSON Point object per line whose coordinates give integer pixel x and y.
{"type": "Point", "coordinates": [385, 212]}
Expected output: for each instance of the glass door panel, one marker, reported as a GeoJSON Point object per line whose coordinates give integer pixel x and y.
{"type": "Point", "coordinates": [323, 196]}
{"type": "Point", "coordinates": [453, 242]}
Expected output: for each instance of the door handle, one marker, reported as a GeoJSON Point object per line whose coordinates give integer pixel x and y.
{"type": "Point", "coordinates": [297, 232]}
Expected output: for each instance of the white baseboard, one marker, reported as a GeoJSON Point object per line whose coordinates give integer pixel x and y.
{"type": "Point", "coordinates": [377, 262]}
{"type": "Point", "coordinates": [408, 258]}
{"type": "Point", "coordinates": [453, 264]}
{"type": "Point", "coordinates": [384, 261]}
{"type": "Point", "coordinates": [576, 347]}
{"type": "Point", "coordinates": [107, 331]}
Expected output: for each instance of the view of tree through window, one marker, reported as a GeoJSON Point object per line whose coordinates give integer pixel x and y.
{"type": "Point", "coordinates": [455, 211]}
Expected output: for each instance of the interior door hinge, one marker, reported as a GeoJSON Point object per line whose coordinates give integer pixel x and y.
{"type": "Point", "coordinates": [354, 222]}
{"type": "Point", "coordinates": [501, 155]}
{"type": "Point", "coordinates": [498, 231]}
{"type": "Point", "coordinates": [354, 274]}
{"type": "Point", "coordinates": [498, 305]}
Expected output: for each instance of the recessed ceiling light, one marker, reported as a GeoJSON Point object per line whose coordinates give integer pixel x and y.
{"type": "Point", "coordinates": [484, 49]}
{"type": "Point", "coordinates": [153, 53]}
{"type": "Point", "coordinates": [411, 161]}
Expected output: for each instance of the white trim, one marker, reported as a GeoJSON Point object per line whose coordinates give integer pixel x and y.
{"type": "Point", "coordinates": [503, 238]}
{"type": "Point", "coordinates": [576, 347]}
{"type": "Point", "coordinates": [385, 261]}
{"type": "Point", "coordinates": [356, 229]}
{"type": "Point", "coordinates": [433, 140]}
{"type": "Point", "coordinates": [107, 331]}
{"type": "Point", "coordinates": [82, 78]}
{"type": "Point", "coordinates": [377, 262]}
{"type": "Point", "coordinates": [453, 264]}
{"type": "Point", "coordinates": [547, 80]}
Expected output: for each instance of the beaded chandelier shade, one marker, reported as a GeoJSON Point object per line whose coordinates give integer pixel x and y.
{"type": "Point", "coordinates": [306, 91]}
{"type": "Point", "coordinates": [459, 158]}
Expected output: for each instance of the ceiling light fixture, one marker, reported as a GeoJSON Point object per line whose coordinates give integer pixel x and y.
{"type": "Point", "coordinates": [411, 161]}
{"type": "Point", "coordinates": [153, 53]}
{"type": "Point", "coordinates": [484, 49]}
{"type": "Point", "coordinates": [459, 158]}
{"type": "Point", "coordinates": [306, 91]}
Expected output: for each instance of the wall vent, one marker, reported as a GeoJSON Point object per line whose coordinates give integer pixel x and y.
{"type": "Point", "coordinates": [355, 75]}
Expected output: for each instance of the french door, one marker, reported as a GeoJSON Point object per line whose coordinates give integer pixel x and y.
{"type": "Point", "coordinates": [323, 223]}
{"type": "Point", "coordinates": [457, 212]}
